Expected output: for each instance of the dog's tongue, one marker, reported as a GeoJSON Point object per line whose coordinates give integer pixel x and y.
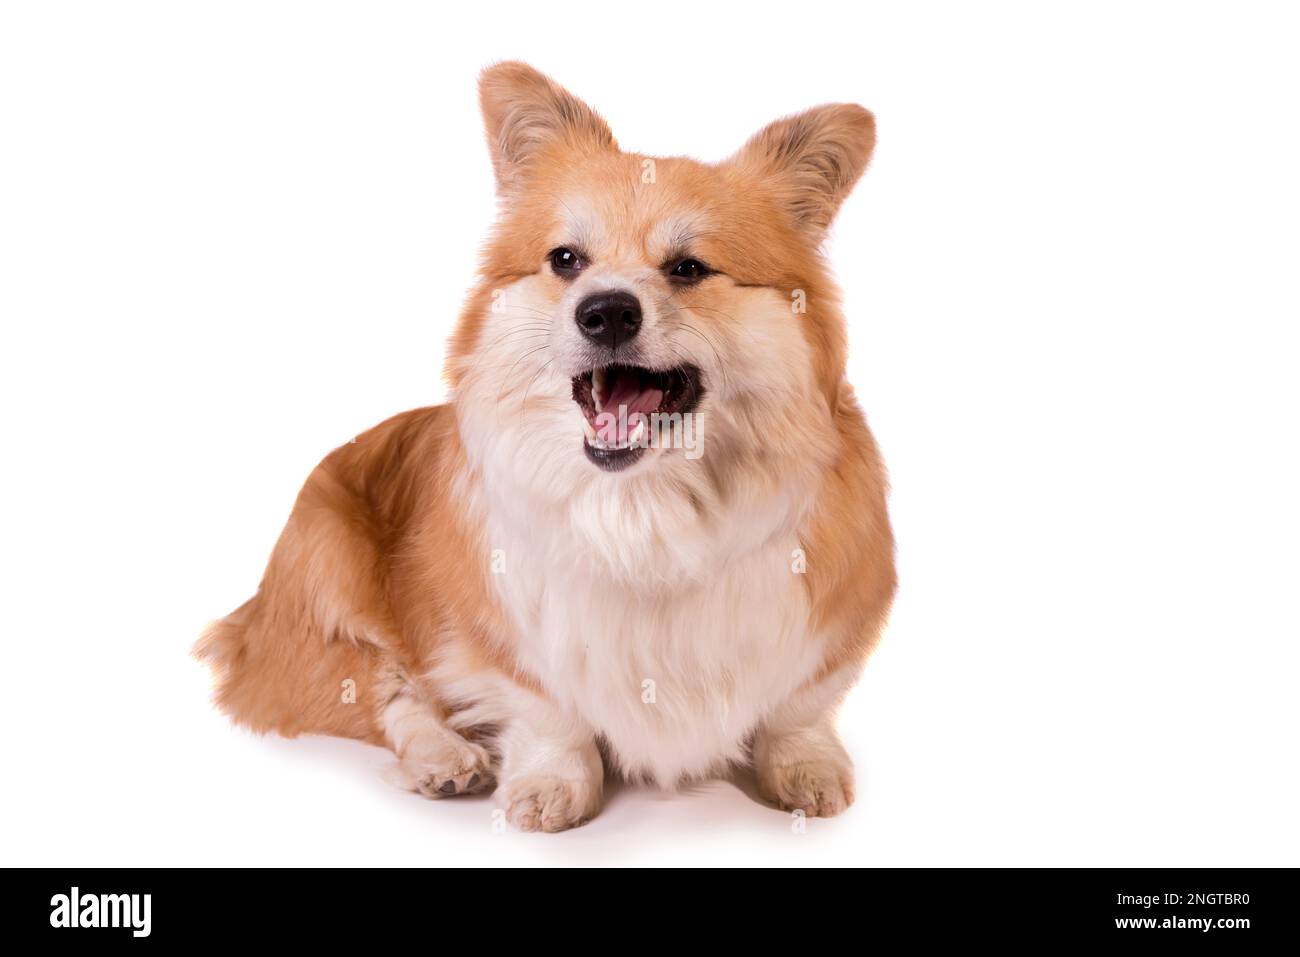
{"type": "Point", "coordinates": [626, 392]}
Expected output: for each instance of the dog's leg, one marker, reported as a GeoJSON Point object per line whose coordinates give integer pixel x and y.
{"type": "Point", "coordinates": [432, 759]}
{"type": "Point", "coordinates": [552, 776]}
{"type": "Point", "coordinates": [798, 758]}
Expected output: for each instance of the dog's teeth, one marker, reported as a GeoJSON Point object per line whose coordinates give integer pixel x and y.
{"type": "Point", "coordinates": [636, 433]}
{"type": "Point", "coordinates": [598, 388]}
{"type": "Point", "coordinates": [587, 428]}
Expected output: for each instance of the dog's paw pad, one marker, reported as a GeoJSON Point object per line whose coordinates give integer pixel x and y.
{"type": "Point", "coordinates": [438, 783]}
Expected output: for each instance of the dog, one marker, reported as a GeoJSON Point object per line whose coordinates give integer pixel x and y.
{"type": "Point", "coordinates": [647, 534]}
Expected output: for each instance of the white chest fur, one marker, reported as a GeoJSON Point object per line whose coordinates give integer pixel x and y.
{"type": "Point", "coordinates": [674, 669]}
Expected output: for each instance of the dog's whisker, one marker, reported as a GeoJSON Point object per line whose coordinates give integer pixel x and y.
{"type": "Point", "coordinates": [530, 352]}
{"type": "Point", "coordinates": [509, 307]}
{"type": "Point", "coordinates": [523, 413]}
{"type": "Point", "coordinates": [717, 357]}
{"type": "Point", "coordinates": [522, 334]}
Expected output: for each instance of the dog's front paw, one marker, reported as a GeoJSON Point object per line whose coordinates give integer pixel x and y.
{"type": "Point", "coordinates": [542, 803]}
{"type": "Point", "coordinates": [443, 765]}
{"type": "Point", "coordinates": [818, 788]}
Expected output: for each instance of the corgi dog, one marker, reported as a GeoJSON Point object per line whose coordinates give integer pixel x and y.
{"type": "Point", "coordinates": [648, 532]}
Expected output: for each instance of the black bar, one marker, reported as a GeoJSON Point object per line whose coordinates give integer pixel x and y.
{"type": "Point", "coordinates": [1232, 908]}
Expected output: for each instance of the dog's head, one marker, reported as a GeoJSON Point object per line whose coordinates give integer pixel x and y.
{"type": "Point", "coordinates": [638, 312]}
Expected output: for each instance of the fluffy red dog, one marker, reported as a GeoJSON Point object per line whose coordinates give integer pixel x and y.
{"type": "Point", "coordinates": [650, 523]}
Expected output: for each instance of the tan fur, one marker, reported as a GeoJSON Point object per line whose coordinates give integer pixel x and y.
{"type": "Point", "coordinates": [371, 573]}
{"type": "Point", "coordinates": [381, 576]}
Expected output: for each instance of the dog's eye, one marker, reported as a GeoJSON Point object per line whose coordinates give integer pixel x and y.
{"type": "Point", "coordinates": [691, 270]}
{"type": "Point", "coordinates": [565, 261]}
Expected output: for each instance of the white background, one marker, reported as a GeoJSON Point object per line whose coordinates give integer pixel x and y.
{"type": "Point", "coordinates": [234, 235]}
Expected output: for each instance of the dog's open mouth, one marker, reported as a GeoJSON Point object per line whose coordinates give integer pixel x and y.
{"type": "Point", "coordinates": [624, 407]}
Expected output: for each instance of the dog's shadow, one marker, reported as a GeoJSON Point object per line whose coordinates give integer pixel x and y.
{"type": "Point", "coordinates": [635, 809]}
{"type": "Point", "coordinates": [619, 791]}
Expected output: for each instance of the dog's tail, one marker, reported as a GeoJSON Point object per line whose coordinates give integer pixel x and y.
{"type": "Point", "coordinates": [223, 646]}
{"type": "Point", "coordinates": [270, 676]}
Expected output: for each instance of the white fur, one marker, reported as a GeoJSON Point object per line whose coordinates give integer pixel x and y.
{"type": "Point", "coordinates": [429, 753]}
{"type": "Point", "coordinates": [653, 574]}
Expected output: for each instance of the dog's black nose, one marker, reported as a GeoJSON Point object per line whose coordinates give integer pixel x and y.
{"type": "Point", "coordinates": [609, 318]}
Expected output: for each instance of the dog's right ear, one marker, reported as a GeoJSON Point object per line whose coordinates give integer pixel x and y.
{"type": "Point", "coordinates": [525, 113]}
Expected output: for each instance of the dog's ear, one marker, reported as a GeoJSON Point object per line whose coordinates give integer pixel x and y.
{"type": "Point", "coordinates": [813, 159]}
{"type": "Point", "coordinates": [525, 112]}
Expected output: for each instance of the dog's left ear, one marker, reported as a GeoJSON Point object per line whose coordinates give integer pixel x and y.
{"type": "Point", "coordinates": [525, 112]}
{"type": "Point", "coordinates": [814, 158]}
